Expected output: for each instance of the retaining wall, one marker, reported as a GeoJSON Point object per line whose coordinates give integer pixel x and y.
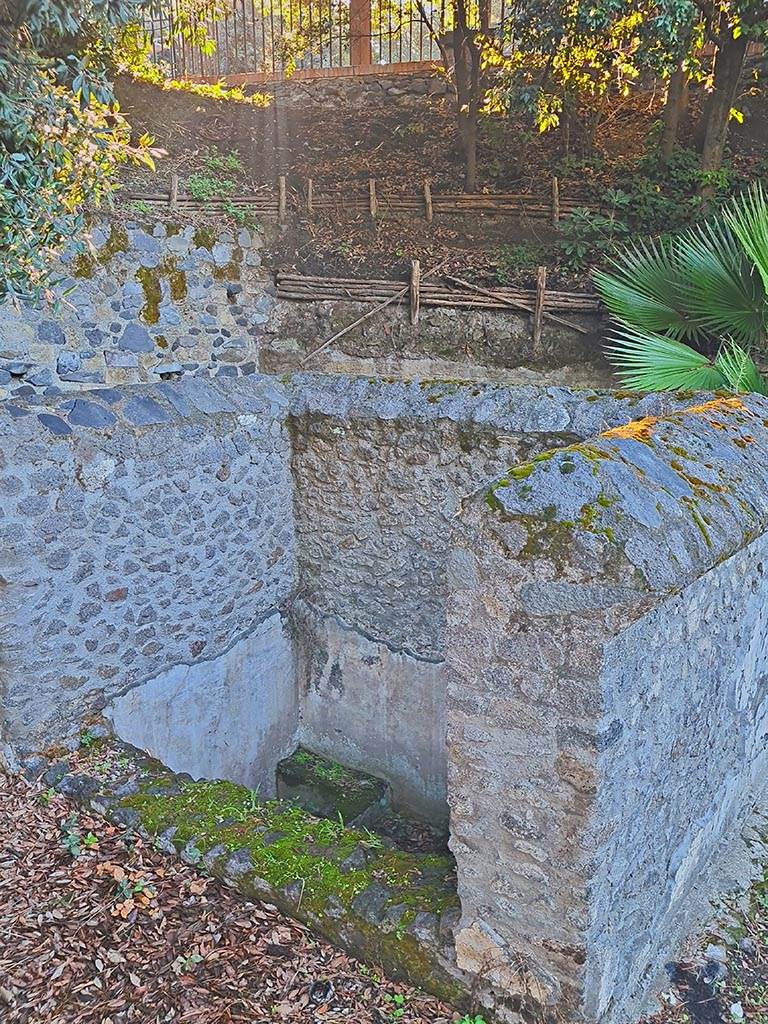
{"type": "Point", "coordinates": [146, 537]}
{"type": "Point", "coordinates": [148, 300]}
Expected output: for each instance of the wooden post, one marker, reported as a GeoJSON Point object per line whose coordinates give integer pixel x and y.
{"type": "Point", "coordinates": [281, 198]}
{"type": "Point", "coordinates": [372, 200]}
{"type": "Point", "coordinates": [414, 295]}
{"type": "Point", "coordinates": [310, 197]}
{"type": "Point", "coordinates": [360, 33]}
{"type": "Point", "coordinates": [538, 309]}
{"type": "Point", "coordinates": [428, 202]}
{"type": "Point", "coordinates": [555, 202]}
{"type": "Point", "coordinates": [173, 197]}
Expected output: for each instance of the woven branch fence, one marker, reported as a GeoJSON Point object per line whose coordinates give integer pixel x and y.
{"type": "Point", "coordinates": [278, 201]}
{"type": "Point", "coordinates": [539, 303]}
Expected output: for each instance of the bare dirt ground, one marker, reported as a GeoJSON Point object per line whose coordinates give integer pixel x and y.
{"type": "Point", "coordinates": [98, 928]}
{"type": "Point", "coordinates": [400, 144]}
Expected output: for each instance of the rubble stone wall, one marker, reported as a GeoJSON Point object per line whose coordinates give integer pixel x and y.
{"type": "Point", "coordinates": [607, 701]}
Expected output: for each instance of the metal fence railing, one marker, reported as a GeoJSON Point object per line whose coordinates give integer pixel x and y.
{"type": "Point", "coordinates": [219, 38]}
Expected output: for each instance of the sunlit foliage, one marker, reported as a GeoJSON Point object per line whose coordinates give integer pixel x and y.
{"type": "Point", "coordinates": [62, 136]}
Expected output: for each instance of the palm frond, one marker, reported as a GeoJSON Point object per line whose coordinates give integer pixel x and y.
{"type": "Point", "coordinates": [642, 289]}
{"type": "Point", "coordinates": [747, 216]}
{"type": "Point", "coordinates": [646, 361]}
{"type": "Point", "coordinates": [716, 284]}
{"type": "Point", "coordinates": [739, 370]}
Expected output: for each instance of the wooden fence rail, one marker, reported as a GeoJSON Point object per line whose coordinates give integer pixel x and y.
{"type": "Point", "coordinates": [370, 200]}
{"type": "Point", "coordinates": [306, 288]}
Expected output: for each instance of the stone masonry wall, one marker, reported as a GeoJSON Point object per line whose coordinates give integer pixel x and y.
{"type": "Point", "coordinates": [608, 705]}
{"type": "Point", "coordinates": [142, 530]}
{"type": "Point", "coordinates": [389, 84]}
{"type": "Point", "coordinates": [148, 299]}
{"type": "Point", "coordinates": [144, 300]}
{"type": "Point", "coordinates": [381, 470]}
{"type": "Point", "coordinates": [227, 567]}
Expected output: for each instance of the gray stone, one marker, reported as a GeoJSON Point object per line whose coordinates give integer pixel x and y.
{"type": "Point", "coordinates": [89, 414]}
{"type": "Point", "coordinates": [144, 411]}
{"type": "Point", "coordinates": [51, 332]}
{"type": "Point", "coordinates": [17, 367]}
{"type": "Point", "coordinates": [135, 338]}
{"type": "Point", "coordinates": [67, 362]}
{"type": "Point", "coordinates": [41, 378]}
{"type": "Point", "coordinates": [55, 424]}
{"type": "Point", "coordinates": [33, 767]}
{"type": "Point", "coordinates": [79, 788]}
{"type": "Point", "coordinates": [123, 360]}
{"type": "Point", "coordinates": [84, 377]}
{"type": "Point", "coordinates": [53, 775]}
{"type": "Point", "coordinates": [222, 254]}
{"type": "Point", "coordinates": [167, 368]}
{"type": "Point", "coordinates": [370, 903]}
{"type": "Point", "coordinates": [239, 864]}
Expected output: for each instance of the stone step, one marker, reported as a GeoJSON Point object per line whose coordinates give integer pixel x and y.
{"type": "Point", "coordinates": [331, 790]}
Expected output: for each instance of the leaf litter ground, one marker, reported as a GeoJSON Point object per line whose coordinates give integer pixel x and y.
{"type": "Point", "coordinates": [97, 927]}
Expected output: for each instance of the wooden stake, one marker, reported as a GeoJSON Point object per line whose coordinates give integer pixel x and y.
{"type": "Point", "coordinates": [310, 197]}
{"type": "Point", "coordinates": [376, 309]}
{"type": "Point", "coordinates": [515, 304]}
{"type": "Point", "coordinates": [555, 202]}
{"type": "Point", "coordinates": [173, 196]}
{"type": "Point", "coordinates": [428, 202]}
{"type": "Point", "coordinates": [538, 309]}
{"type": "Point", "coordinates": [281, 199]}
{"type": "Point", "coordinates": [415, 297]}
{"type": "Point", "coordinates": [373, 203]}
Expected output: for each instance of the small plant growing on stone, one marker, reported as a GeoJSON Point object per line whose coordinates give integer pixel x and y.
{"type": "Point", "coordinates": [466, 1019]}
{"type": "Point", "coordinates": [371, 840]}
{"type": "Point", "coordinates": [87, 739]}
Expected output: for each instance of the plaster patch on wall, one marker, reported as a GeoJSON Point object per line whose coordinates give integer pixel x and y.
{"type": "Point", "coordinates": [233, 717]}
{"type": "Point", "coordinates": [375, 709]}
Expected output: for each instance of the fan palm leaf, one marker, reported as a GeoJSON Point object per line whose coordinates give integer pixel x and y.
{"type": "Point", "coordinates": [642, 289]}
{"type": "Point", "coordinates": [747, 216]}
{"type": "Point", "coordinates": [738, 369]}
{"type": "Point", "coordinates": [647, 361]}
{"type": "Point", "coordinates": [716, 284]}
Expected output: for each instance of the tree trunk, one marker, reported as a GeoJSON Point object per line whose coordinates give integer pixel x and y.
{"type": "Point", "coordinates": [467, 73]}
{"type": "Point", "coordinates": [729, 64]}
{"type": "Point", "coordinates": [677, 96]}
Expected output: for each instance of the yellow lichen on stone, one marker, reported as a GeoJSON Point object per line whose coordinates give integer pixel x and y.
{"type": "Point", "coordinates": [635, 430]}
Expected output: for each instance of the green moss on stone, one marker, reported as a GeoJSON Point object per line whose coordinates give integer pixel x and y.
{"type": "Point", "coordinates": [117, 242]}
{"type": "Point", "coordinates": [204, 237]}
{"type": "Point", "coordinates": [231, 272]}
{"type": "Point", "coordinates": [83, 265]}
{"type": "Point", "coordinates": [287, 845]}
{"type": "Point", "coordinates": [150, 285]}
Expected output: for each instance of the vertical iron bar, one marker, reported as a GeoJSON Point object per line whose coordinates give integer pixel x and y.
{"type": "Point", "coordinates": [253, 36]}
{"type": "Point", "coordinates": [272, 34]}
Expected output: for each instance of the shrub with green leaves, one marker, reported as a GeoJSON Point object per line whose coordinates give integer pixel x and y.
{"type": "Point", "coordinates": [678, 300]}
{"type": "Point", "coordinates": [62, 136]}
